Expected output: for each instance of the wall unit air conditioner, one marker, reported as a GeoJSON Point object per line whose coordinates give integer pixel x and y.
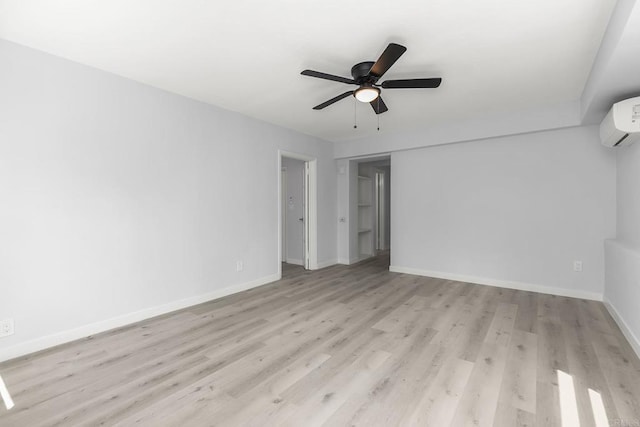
{"type": "Point", "coordinates": [621, 126]}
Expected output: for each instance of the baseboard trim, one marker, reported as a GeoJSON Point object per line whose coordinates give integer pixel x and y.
{"type": "Point", "coordinates": [64, 337]}
{"type": "Point", "coordinates": [500, 283]}
{"type": "Point", "coordinates": [294, 261]}
{"type": "Point", "coordinates": [349, 261]}
{"type": "Point", "coordinates": [626, 330]}
{"type": "Point", "coordinates": [353, 261]}
{"type": "Point", "coordinates": [325, 264]}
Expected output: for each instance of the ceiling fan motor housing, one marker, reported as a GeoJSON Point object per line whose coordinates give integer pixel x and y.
{"type": "Point", "coordinates": [360, 73]}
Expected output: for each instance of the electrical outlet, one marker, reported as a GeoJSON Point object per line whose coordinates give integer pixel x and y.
{"type": "Point", "coordinates": [577, 265]}
{"type": "Point", "coordinates": [6, 327]}
{"type": "Point", "coordinates": [239, 265]}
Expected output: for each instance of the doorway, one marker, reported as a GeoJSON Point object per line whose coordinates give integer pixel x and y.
{"type": "Point", "coordinates": [293, 208]}
{"type": "Point", "coordinates": [372, 203]}
{"type": "Point", "coordinates": [297, 208]}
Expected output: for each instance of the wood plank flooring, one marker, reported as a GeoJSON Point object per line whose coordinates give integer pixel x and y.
{"type": "Point", "coordinates": [342, 346]}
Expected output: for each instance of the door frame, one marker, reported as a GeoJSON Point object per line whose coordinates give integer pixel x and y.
{"type": "Point", "coordinates": [379, 208]}
{"type": "Point", "coordinates": [310, 258]}
{"type": "Point", "coordinates": [283, 215]}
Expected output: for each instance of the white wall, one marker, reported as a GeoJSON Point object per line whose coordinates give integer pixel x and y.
{"type": "Point", "coordinates": [628, 195]}
{"type": "Point", "coordinates": [514, 211]}
{"type": "Point", "coordinates": [294, 205]}
{"type": "Point", "coordinates": [387, 208]}
{"type": "Point", "coordinates": [347, 182]}
{"type": "Point", "coordinates": [343, 206]}
{"type": "Point", "coordinates": [614, 75]}
{"type": "Point", "coordinates": [354, 249]}
{"type": "Point", "coordinates": [622, 291]}
{"type": "Point", "coordinates": [490, 125]}
{"type": "Point", "coordinates": [120, 200]}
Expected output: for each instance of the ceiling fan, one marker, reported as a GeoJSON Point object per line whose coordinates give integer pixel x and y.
{"type": "Point", "coordinates": [366, 76]}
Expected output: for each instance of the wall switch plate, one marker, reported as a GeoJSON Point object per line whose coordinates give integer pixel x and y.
{"type": "Point", "coordinates": [6, 327]}
{"type": "Point", "coordinates": [239, 266]}
{"type": "Point", "coordinates": [577, 265]}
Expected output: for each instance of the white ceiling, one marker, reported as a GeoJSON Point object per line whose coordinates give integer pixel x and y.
{"type": "Point", "coordinates": [246, 56]}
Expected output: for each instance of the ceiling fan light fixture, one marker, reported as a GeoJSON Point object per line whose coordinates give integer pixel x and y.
{"type": "Point", "coordinates": [366, 93]}
{"type": "Point", "coordinates": [366, 76]}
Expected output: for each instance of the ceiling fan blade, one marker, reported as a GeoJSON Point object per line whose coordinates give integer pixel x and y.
{"type": "Point", "coordinates": [412, 83]}
{"type": "Point", "coordinates": [378, 105]}
{"type": "Point", "coordinates": [326, 76]}
{"type": "Point", "coordinates": [387, 59]}
{"type": "Point", "coordinates": [332, 100]}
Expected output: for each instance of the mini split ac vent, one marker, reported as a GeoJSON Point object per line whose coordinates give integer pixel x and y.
{"type": "Point", "coordinates": [621, 126]}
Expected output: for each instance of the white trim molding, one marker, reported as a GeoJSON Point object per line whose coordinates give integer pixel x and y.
{"type": "Point", "coordinates": [64, 337]}
{"type": "Point", "coordinates": [563, 292]}
{"type": "Point", "coordinates": [327, 263]}
{"type": "Point", "coordinates": [353, 261]}
{"type": "Point", "coordinates": [634, 341]}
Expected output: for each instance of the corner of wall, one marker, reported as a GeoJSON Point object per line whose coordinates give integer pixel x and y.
{"type": "Point", "coordinates": [622, 289]}
{"type": "Point", "coordinates": [626, 330]}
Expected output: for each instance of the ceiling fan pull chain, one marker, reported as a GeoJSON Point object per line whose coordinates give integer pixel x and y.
{"type": "Point", "coordinates": [355, 117]}
{"type": "Point", "coordinates": [378, 115]}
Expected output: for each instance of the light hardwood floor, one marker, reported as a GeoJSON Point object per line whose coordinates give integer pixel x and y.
{"type": "Point", "coordinates": [342, 346]}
